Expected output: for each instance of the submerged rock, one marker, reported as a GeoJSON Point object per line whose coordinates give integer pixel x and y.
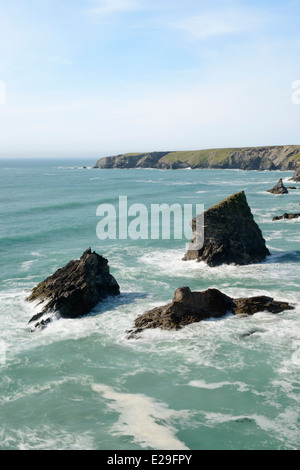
{"type": "Point", "coordinates": [76, 288]}
{"type": "Point", "coordinates": [231, 235]}
{"type": "Point", "coordinates": [192, 307]}
{"type": "Point", "coordinates": [279, 188]}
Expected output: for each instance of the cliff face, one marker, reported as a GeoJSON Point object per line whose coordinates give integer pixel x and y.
{"type": "Point", "coordinates": [141, 160]}
{"type": "Point", "coordinates": [231, 235]}
{"type": "Point", "coordinates": [257, 158]}
{"type": "Point", "coordinates": [296, 176]}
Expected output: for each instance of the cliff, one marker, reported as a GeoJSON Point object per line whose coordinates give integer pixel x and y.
{"type": "Point", "coordinates": [251, 158]}
{"type": "Point", "coordinates": [296, 176]}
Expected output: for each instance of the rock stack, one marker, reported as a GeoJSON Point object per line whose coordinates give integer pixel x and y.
{"type": "Point", "coordinates": [279, 188]}
{"type": "Point", "coordinates": [231, 235]}
{"type": "Point", "coordinates": [75, 289]}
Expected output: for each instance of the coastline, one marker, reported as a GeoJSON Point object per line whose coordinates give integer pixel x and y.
{"type": "Point", "coordinates": [271, 158]}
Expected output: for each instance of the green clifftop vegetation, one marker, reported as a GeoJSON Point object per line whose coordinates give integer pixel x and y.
{"type": "Point", "coordinates": [249, 158]}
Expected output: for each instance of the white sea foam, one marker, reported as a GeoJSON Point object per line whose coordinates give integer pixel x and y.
{"type": "Point", "coordinates": [169, 262]}
{"type": "Point", "coordinates": [25, 266]}
{"type": "Point", "coordinates": [46, 437]}
{"type": "Point", "coordinates": [277, 427]}
{"type": "Point", "coordinates": [147, 420]}
{"type": "Point", "coordinates": [242, 387]}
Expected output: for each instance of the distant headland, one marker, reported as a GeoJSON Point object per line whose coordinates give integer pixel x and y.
{"type": "Point", "coordinates": [285, 157]}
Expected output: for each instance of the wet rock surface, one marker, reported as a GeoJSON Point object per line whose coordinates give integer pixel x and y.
{"type": "Point", "coordinates": [192, 307]}
{"type": "Point", "coordinates": [230, 235]}
{"type": "Point", "coordinates": [75, 289]}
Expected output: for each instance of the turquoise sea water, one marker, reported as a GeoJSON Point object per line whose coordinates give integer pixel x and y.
{"type": "Point", "coordinates": [81, 384]}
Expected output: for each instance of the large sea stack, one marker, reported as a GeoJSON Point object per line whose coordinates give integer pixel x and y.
{"type": "Point", "coordinates": [279, 188]}
{"type": "Point", "coordinates": [231, 235]}
{"type": "Point", "coordinates": [76, 288]}
{"type": "Point", "coordinates": [192, 307]}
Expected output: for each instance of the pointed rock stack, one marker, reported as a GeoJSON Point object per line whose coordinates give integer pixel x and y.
{"type": "Point", "coordinates": [231, 235]}
{"type": "Point", "coordinates": [279, 188]}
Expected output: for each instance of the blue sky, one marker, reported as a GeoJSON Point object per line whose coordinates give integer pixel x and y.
{"type": "Point", "coordinates": [89, 78]}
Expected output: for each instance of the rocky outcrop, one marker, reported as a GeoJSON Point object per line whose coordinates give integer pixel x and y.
{"type": "Point", "coordinates": [296, 176]}
{"type": "Point", "coordinates": [192, 307]}
{"type": "Point", "coordinates": [279, 188]}
{"type": "Point", "coordinates": [75, 289]}
{"type": "Point", "coordinates": [126, 161]}
{"type": "Point", "coordinates": [283, 157]}
{"type": "Point", "coordinates": [287, 216]}
{"type": "Point", "coordinates": [231, 235]}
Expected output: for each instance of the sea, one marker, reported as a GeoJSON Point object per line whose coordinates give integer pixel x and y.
{"type": "Point", "coordinates": [80, 384]}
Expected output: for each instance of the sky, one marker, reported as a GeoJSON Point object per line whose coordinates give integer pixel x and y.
{"type": "Point", "coordinates": [92, 78]}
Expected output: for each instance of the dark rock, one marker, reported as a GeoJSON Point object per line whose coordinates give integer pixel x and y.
{"type": "Point", "coordinates": [192, 307]}
{"type": "Point", "coordinates": [231, 236]}
{"type": "Point", "coordinates": [76, 288]}
{"type": "Point", "coordinates": [42, 324]}
{"type": "Point", "coordinates": [252, 305]}
{"type": "Point", "coordinates": [245, 420]}
{"type": "Point", "coordinates": [287, 216]}
{"type": "Point", "coordinates": [279, 188]}
{"type": "Point", "coordinates": [296, 176]}
{"type": "Point", "coordinates": [250, 333]}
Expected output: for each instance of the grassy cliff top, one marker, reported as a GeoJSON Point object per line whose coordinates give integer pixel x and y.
{"type": "Point", "coordinates": [283, 157]}
{"type": "Point", "coordinates": [215, 157]}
